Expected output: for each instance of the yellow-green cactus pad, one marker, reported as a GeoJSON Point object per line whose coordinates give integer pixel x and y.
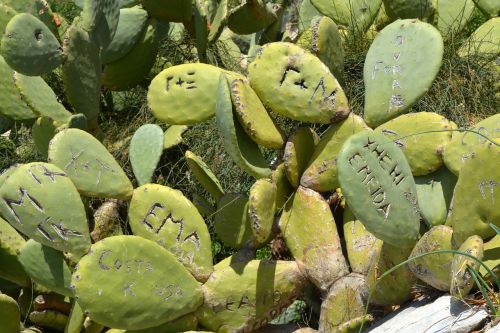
{"type": "Point", "coordinates": [245, 296]}
{"type": "Point", "coordinates": [242, 150]}
{"type": "Point", "coordinates": [434, 193]}
{"type": "Point", "coordinates": [324, 41]}
{"type": "Point", "coordinates": [6, 14]}
{"type": "Point", "coordinates": [40, 97]}
{"type": "Point", "coordinates": [422, 136]}
{"type": "Point", "coordinates": [294, 83]}
{"type": "Point", "coordinates": [146, 148]}
{"type": "Point", "coordinates": [182, 324]}
{"type": "Point", "coordinates": [434, 269]}
{"type": "Point", "coordinates": [249, 17]}
{"type": "Point", "coordinates": [462, 145]}
{"type": "Point", "coordinates": [377, 182]}
{"type": "Point", "coordinates": [475, 202]}
{"type": "Point", "coordinates": [219, 21]}
{"type": "Point", "coordinates": [29, 47]}
{"type": "Point", "coordinates": [204, 175]}
{"type": "Point", "coordinates": [129, 282]}
{"type": "Point", "coordinates": [10, 243]}
{"type": "Point", "coordinates": [232, 223]}
{"type": "Point", "coordinates": [261, 209]}
{"type": "Point", "coordinates": [100, 20]}
{"type": "Point", "coordinates": [46, 267]}
{"type": "Point", "coordinates": [298, 152]}
{"type": "Point", "coordinates": [166, 216]}
{"type": "Point", "coordinates": [310, 233]}
{"type": "Point", "coordinates": [169, 10]}
{"type": "Point", "coordinates": [461, 279]}
{"type": "Point", "coordinates": [283, 188]}
{"type": "Point", "coordinates": [491, 257]}
{"type": "Point", "coordinates": [12, 105]}
{"type": "Point", "coordinates": [10, 314]}
{"type": "Point", "coordinates": [90, 166]}
{"type": "Point", "coordinates": [253, 117]}
{"type": "Point", "coordinates": [31, 199]}
{"type": "Point", "coordinates": [184, 94]}
{"type": "Point", "coordinates": [345, 301]}
{"type": "Point", "coordinates": [173, 136]}
{"type": "Point", "coordinates": [484, 42]}
{"type": "Point", "coordinates": [357, 14]}
{"type": "Point", "coordinates": [490, 8]}
{"type": "Point", "coordinates": [307, 12]}
{"type": "Point", "coordinates": [453, 15]}
{"type": "Point", "coordinates": [410, 9]}
{"type": "Point", "coordinates": [321, 174]}
{"type": "Point", "coordinates": [51, 319]}
{"type": "Point", "coordinates": [400, 66]}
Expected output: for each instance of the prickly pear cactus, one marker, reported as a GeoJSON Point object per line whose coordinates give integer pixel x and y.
{"type": "Point", "coordinates": [90, 166]}
{"type": "Point", "coordinates": [146, 148]}
{"type": "Point", "coordinates": [453, 15]}
{"type": "Point", "coordinates": [307, 91]}
{"type": "Point", "coordinates": [10, 314]}
{"type": "Point", "coordinates": [249, 17]}
{"type": "Point", "coordinates": [232, 223]}
{"type": "Point", "coordinates": [168, 10]}
{"type": "Point", "coordinates": [491, 256]}
{"type": "Point", "coordinates": [490, 8]}
{"type": "Point", "coordinates": [204, 175]}
{"type": "Point", "coordinates": [166, 216]}
{"type": "Point", "coordinates": [245, 296]}
{"type": "Point", "coordinates": [173, 136]}
{"type": "Point", "coordinates": [31, 203]}
{"type": "Point", "coordinates": [100, 20]}
{"type": "Point", "coordinates": [261, 209]}
{"type": "Point", "coordinates": [410, 9]}
{"type": "Point", "coordinates": [461, 279]}
{"type": "Point", "coordinates": [12, 105]}
{"type": "Point", "coordinates": [115, 277]}
{"type": "Point", "coordinates": [377, 182]}
{"type": "Point", "coordinates": [400, 66]}
{"type": "Point", "coordinates": [283, 187]}
{"type": "Point", "coordinates": [10, 243]}
{"type": "Point", "coordinates": [484, 42]}
{"type": "Point", "coordinates": [298, 152]}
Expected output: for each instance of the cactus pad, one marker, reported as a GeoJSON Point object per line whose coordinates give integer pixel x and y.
{"type": "Point", "coordinates": [173, 136]}
{"type": "Point", "coordinates": [245, 296]}
{"type": "Point", "coordinates": [410, 9]}
{"type": "Point", "coordinates": [491, 257]}
{"type": "Point", "coordinates": [146, 148]}
{"type": "Point", "coordinates": [169, 10]}
{"type": "Point", "coordinates": [232, 224]}
{"type": "Point", "coordinates": [10, 243]}
{"type": "Point", "coordinates": [184, 94]}
{"type": "Point", "coordinates": [46, 267]}
{"type": "Point", "coordinates": [10, 314]}
{"type": "Point", "coordinates": [29, 47]}
{"type": "Point", "coordinates": [166, 216]}
{"type": "Point", "coordinates": [283, 188]}
{"type": "Point", "coordinates": [490, 8]}
{"type": "Point", "coordinates": [453, 15]}
{"type": "Point", "coordinates": [422, 136]}
{"type": "Point", "coordinates": [461, 279]}
{"type": "Point", "coordinates": [146, 277]}
{"type": "Point", "coordinates": [261, 209]}
{"type": "Point", "coordinates": [12, 104]}
{"type": "Point", "coordinates": [296, 84]}
{"type": "Point", "coordinates": [89, 165]}
{"type": "Point", "coordinates": [298, 151]}
{"type": "Point", "coordinates": [249, 17]}
{"type": "Point", "coordinates": [321, 174]}
{"type": "Point", "coordinates": [400, 66]}
{"type": "Point", "coordinates": [42, 131]}
{"type": "Point", "coordinates": [204, 175]}
{"type": "Point", "coordinates": [100, 20]}
{"type": "Point", "coordinates": [31, 202]}
{"type": "Point", "coordinates": [377, 182]}
{"type": "Point", "coordinates": [310, 233]}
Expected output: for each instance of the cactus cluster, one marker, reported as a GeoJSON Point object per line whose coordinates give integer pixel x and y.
{"type": "Point", "coordinates": [405, 183]}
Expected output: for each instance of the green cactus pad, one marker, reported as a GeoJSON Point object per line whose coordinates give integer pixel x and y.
{"type": "Point", "coordinates": [307, 12]}
{"type": "Point", "coordinates": [261, 209]}
{"type": "Point", "coordinates": [324, 41]}
{"type": "Point", "coordinates": [400, 66]}
{"type": "Point", "coordinates": [321, 174]}
{"type": "Point", "coordinates": [10, 243]}
{"type": "Point", "coordinates": [434, 269]}
{"type": "Point", "coordinates": [434, 193]}
{"type": "Point", "coordinates": [155, 287]}
{"type": "Point", "coordinates": [490, 8]}
{"type": "Point", "coordinates": [357, 14]}
{"type": "Point", "coordinates": [76, 319]}
{"type": "Point", "coordinates": [242, 150]}
{"type": "Point", "coordinates": [31, 202]}
{"type": "Point", "coordinates": [376, 180]}
{"type": "Point", "coordinates": [40, 97]}
{"type": "Point", "coordinates": [232, 223]}
{"type": "Point", "coordinates": [100, 20]}
{"type": "Point", "coordinates": [462, 144]}
{"type": "Point", "coordinates": [201, 28]}
{"type": "Point", "coordinates": [173, 136]}
{"type": "Point", "coordinates": [219, 21]}
{"type": "Point", "coordinates": [12, 105]}
{"type": "Point", "coordinates": [169, 10]}
{"type": "Point", "coordinates": [362, 247]}
{"type": "Point", "coordinates": [474, 205]}
{"type": "Point", "coordinates": [346, 300]}
{"type": "Point", "coordinates": [146, 148]}
{"type": "Point", "coordinates": [422, 136]}
{"type": "Point", "coordinates": [90, 166]}
{"type": "Point", "coordinates": [410, 9]}
{"type": "Point", "coordinates": [283, 188]}
{"type": "Point", "coordinates": [204, 175]}
{"type": "Point", "coordinates": [245, 296]}
{"type": "Point", "coordinates": [253, 117]}
{"type": "Point", "coordinates": [166, 216]}
{"type": "Point", "coordinates": [132, 23]}
{"type": "Point", "coordinates": [453, 15]}
{"type": "Point", "coordinates": [461, 279]}
{"type": "Point", "coordinates": [29, 47]}
{"type": "Point", "coordinates": [46, 267]}
{"type": "Point", "coordinates": [298, 152]}
{"type": "Point", "coordinates": [249, 17]}
{"type": "Point", "coordinates": [10, 314]}
{"type": "Point", "coordinates": [182, 324]}
{"type": "Point", "coordinates": [296, 84]}
{"type": "Point", "coordinates": [42, 131]}
{"type": "Point", "coordinates": [6, 13]}
{"type": "Point", "coordinates": [491, 257]}
{"type": "Point", "coordinates": [184, 94]}
{"type": "Point", "coordinates": [129, 71]}
{"type": "Point", "coordinates": [310, 233]}
{"type": "Point", "coordinates": [205, 208]}
{"type": "Point", "coordinates": [50, 319]}
{"type": "Point", "coordinates": [81, 73]}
